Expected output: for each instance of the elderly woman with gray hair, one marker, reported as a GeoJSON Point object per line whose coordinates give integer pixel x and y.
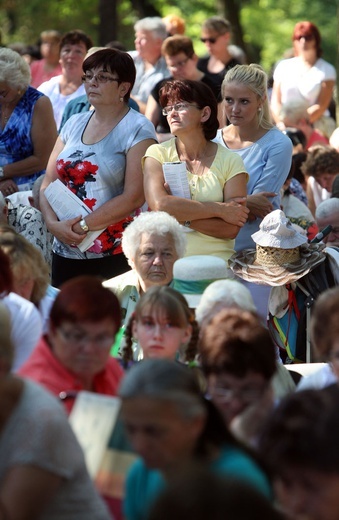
{"type": "Point", "coordinates": [27, 128]}
{"type": "Point", "coordinates": [151, 244]}
{"type": "Point", "coordinates": [171, 424]}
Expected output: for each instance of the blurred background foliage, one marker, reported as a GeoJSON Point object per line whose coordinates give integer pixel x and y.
{"type": "Point", "coordinates": [262, 27]}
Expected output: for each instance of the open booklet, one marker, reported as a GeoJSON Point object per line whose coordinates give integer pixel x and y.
{"type": "Point", "coordinates": [67, 205]}
{"type": "Point", "coordinates": [176, 177]}
{"type": "Point", "coordinates": [95, 420]}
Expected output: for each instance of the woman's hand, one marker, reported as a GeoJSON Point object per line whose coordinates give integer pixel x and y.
{"type": "Point", "coordinates": [234, 211]}
{"type": "Point", "coordinates": [7, 187]}
{"type": "Point", "coordinates": [63, 231]}
{"type": "Point", "coordinates": [259, 204]}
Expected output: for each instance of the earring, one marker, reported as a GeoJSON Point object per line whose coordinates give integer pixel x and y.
{"type": "Point", "coordinates": [121, 99]}
{"type": "Point", "coordinates": [259, 109]}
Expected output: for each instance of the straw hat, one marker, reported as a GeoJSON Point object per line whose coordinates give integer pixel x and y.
{"type": "Point", "coordinates": [282, 254]}
{"type": "Point", "coordinates": [192, 274]}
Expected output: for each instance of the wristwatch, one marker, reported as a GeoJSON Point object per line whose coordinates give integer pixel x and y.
{"type": "Point", "coordinates": [2, 173]}
{"type": "Point", "coordinates": [83, 225]}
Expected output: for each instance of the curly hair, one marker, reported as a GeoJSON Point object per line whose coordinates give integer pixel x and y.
{"type": "Point", "coordinates": [320, 160]}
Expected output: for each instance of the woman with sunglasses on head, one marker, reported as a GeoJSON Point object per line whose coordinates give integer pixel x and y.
{"type": "Point", "coordinates": [215, 209]}
{"type": "Point", "coordinates": [98, 157]}
{"type": "Point", "coordinates": [306, 77]}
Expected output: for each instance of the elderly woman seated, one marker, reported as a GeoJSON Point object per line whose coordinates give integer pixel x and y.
{"type": "Point", "coordinates": [75, 354]}
{"type": "Point", "coordinates": [151, 244]}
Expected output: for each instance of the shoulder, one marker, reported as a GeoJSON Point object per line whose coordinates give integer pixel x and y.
{"type": "Point", "coordinates": [163, 152]}
{"type": "Point", "coordinates": [117, 284]}
{"type": "Point", "coordinates": [327, 68]}
{"type": "Point", "coordinates": [48, 86]}
{"type": "Point", "coordinates": [277, 139]}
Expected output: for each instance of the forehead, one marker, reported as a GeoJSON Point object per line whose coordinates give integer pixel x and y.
{"type": "Point", "coordinates": [229, 380]}
{"type": "Point", "coordinates": [333, 219]}
{"type": "Point", "coordinates": [238, 91]}
{"type": "Point", "coordinates": [78, 45]}
{"type": "Point", "coordinates": [159, 242]}
{"type": "Point", "coordinates": [176, 58]}
{"type": "Point", "coordinates": [146, 35]}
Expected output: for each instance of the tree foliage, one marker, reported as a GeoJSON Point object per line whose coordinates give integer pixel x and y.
{"type": "Point", "coordinates": [262, 27]}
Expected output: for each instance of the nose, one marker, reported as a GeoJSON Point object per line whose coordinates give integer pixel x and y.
{"type": "Point", "coordinates": [235, 107]}
{"type": "Point", "coordinates": [141, 444]}
{"type": "Point", "coordinates": [157, 260]}
{"type": "Point", "coordinates": [157, 331]}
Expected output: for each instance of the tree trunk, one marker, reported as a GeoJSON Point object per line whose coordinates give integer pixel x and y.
{"type": "Point", "coordinates": [108, 21]}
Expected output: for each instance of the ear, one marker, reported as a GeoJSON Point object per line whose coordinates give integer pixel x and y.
{"type": "Point", "coordinates": [124, 86]}
{"type": "Point", "coordinates": [134, 329]}
{"type": "Point", "coordinates": [187, 335]}
{"type": "Point", "coordinates": [205, 114]}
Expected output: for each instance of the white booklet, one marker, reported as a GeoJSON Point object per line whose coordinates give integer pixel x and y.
{"type": "Point", "coordinates": [176, 177]}
{"type": "Point", "coordinates": [67, 205]}
{"type": "Point", "coordinates": [92, 418]}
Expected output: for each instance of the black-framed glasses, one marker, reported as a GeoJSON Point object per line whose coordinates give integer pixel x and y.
{"type": "Point", "coordinates": [178, 65]}
{"type": "Point", "coordinates": [99, 78]}
{"type": "Point", "coordinates": [79, 338]}
{"type": "Point", "coordinates": [178, 107]}
{"type": "Point", "coordinates": [209, 40]}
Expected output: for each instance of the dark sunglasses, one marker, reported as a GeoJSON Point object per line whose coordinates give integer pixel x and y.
{"type": "Point", "coordinates": [308, 38]}
{"type": "Point", "coordinates": [210, 40]}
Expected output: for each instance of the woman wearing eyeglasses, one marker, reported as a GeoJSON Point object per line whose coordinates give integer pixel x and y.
{"type": "Point", "coordinates": [306, 77]}
{"type": "Point", "coordinates": [216, 207]}
{"type": "Point", "coordinates": [98, 157]}
{"type": "Point", "coordinates": [75, 353]}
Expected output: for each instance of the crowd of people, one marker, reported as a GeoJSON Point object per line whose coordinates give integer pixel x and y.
{"type": "Point", "coordinates": [169, 234]}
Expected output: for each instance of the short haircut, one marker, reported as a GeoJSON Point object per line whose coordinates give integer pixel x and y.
{"type": "Point", "coordinates": [294, 111]}
{"type": "Point", "coordinates": [176, 22]}
{"type": "Point", "coordinates": [84, 298]}
{"type": "Point", "coordinates": [50, 35]}
{"type": "Point", "coordinates": [114, 61]}
{"type": "Point", "coordinates": [229, 293]}
{"type": "Point", "coordinates": [303, 432]}
{"type": "Point", "coordinates": [321, 159]}
{"type": "Point", "coordinates": [14, 70]}
{"type": "Point", "coordinates": [254, 78]}
{"type": "Point", "coordinates": [193, 92]}
{"type": "Point", "coordinates": [157, 223]}
{"type": "Point", "coordinates": [236, 342]}
{"type": "Point", "coordinates": [75, 37]}
{"type": "Point", "coordinates": [326, 208]}
{"type": "Point", "coordinates": [325, 321]}
{"type": "Point", "coordinates": [174, 45]}
{"type": "Point", "coordinates": [217, 24]}
{"type": "Point", "coordinates": [153, 24]}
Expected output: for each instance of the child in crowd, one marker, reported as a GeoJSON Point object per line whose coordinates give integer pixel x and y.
{"type": "Point", "coordinates": [163, 325]}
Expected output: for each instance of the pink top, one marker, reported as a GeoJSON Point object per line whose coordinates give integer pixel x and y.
{"type": "Point", "coordinates": [39, 74]}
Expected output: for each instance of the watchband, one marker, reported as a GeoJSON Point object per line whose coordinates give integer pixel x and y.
{"type": "Point", "coordinates": [83, 225]}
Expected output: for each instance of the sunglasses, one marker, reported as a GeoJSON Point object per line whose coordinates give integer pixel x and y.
{"type": "Point", "coordinates": [308, 38]}
{"type": "Point", "coordinates": [210, 40]}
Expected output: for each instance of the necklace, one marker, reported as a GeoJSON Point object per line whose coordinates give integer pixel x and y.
{"type": "Point", "coordinates": [189, 163]}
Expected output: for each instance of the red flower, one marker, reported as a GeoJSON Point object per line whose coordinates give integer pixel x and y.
{"type": "Point", "coordinates": [90, 203]}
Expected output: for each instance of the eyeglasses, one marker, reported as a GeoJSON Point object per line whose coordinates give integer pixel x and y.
{"type": "Point", "coordinates": [178, 107]}
{"type": "Point", "coordinates": [210, 40]}
{"type": "Point", "coordinates": [308, 38]}
{"type": "Point", "coordinates": [247, 395]}
{"type": "Point", "coordinates": [99, 78]}
{"type": "Point", "coordinates": [178, 65]}
{"type": "Point", "coordinates": [79, 339]}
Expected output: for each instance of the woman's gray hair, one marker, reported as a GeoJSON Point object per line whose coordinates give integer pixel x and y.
{"type": "Point", "coordinates": [167, 381]}
{"type": "Point", "coordinates": [326, 208]}
{"type": "Point", "coordinates": [14, 70]}
{"type": "Point", "coordinates": [152, 223]}
{"type": "Point", "coordinates": [255, 78]}
{"type": "Point", "coordinates": [153, 24]}
{"type": "Point", "coordinates": [223, 294]}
